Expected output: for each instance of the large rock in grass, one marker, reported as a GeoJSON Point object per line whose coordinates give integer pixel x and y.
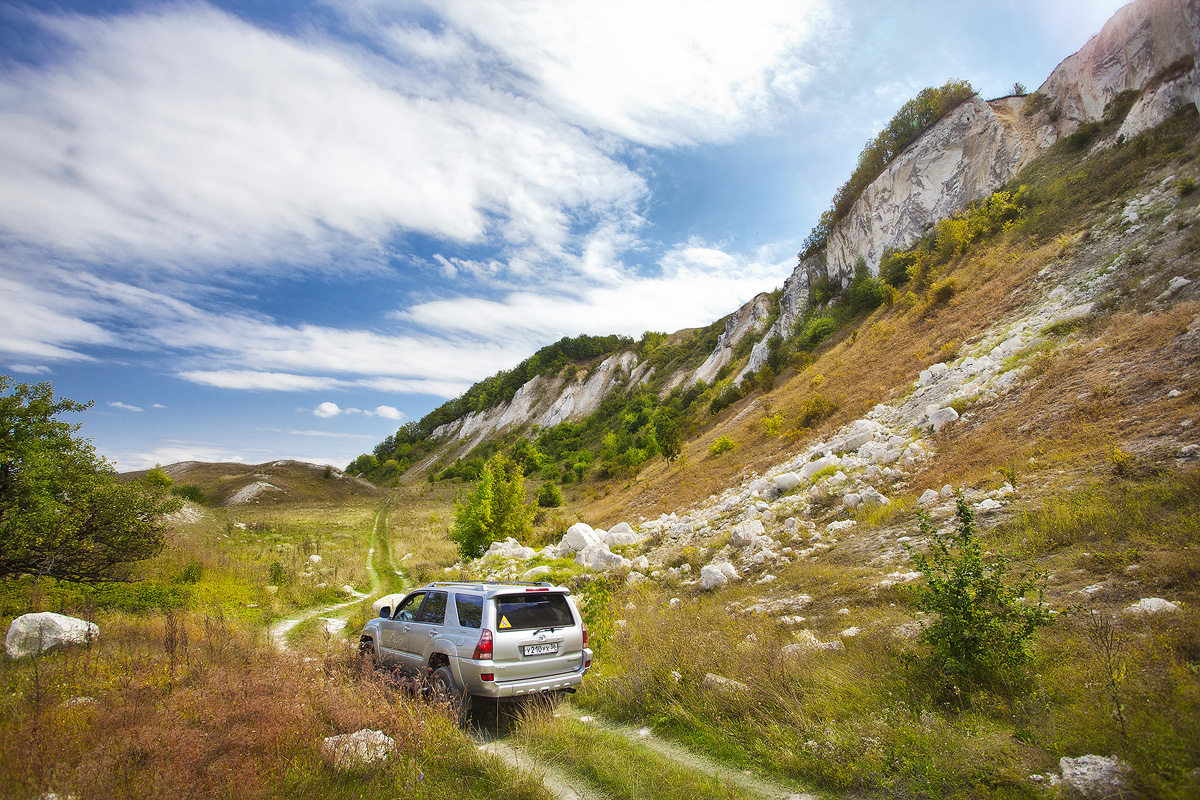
{"type": "Point", "coordinates": [578, 536]}
{"type": "Point", "coordinates": [1095, 777]}
{"type": "Point", "coordinates": [351, 751]}
{"type": "Point", "coordinates": [599, 558]}
{"type": "Point", "coordinates": [33, 634]}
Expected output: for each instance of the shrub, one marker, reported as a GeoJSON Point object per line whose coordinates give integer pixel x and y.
{"type": "Point", "coordinates": [191, 492]}
{"type": "Point", "coordinates": [549, 496]}
{"type": "Point", "coordinates": [984, 627]}
{"type": "Point", "coordinates": [816, 408]}
{"type": "Point", "coordinates": [815, 331]}
{"type": "Point", "coordinates": [723, 444]}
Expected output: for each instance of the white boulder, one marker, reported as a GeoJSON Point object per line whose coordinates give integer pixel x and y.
{"type": "Point", "coordinates": [598, 557]}
{"type": "Point", "coordinates": [928, 497]}
{"type": "Point", "coordinates": [510, 548]}
{"type": "Point", "coordinates": [577, 537]}
{"type": "Point", "coordinates": [1095, 776]}
{"type": "Point", "coordinates": [1150, 605]}
{"type": "Point", "coordinates": [615, 538]}
{"type": "Point", "coordinates": [535, 573]}
{"type": "Point", "coordinates": [939, 418]}
{"type": "Point", "coordinates": [787, 481]}
{"type": "Point", "coordinates": [359, 749]}
{"type": "Point", "coordinates": [745, 532]}
{"type": "Point", "coordinates": [33, 634]}
{"type": "Point", "coordinates": [813, 467]}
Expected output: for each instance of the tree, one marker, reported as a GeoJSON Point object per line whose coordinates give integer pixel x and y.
{"type": "Point", "coordinates": [983, 626]}
{"type": "Point", "coordinates": [495, 511]}
{"type": "Point", "coordinates": [63, 512]}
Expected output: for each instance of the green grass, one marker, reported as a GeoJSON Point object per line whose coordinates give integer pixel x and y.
{"type": "Point", "coordinates": [868, 719]}
{"type": "Point", "coordinates": [622, 769]}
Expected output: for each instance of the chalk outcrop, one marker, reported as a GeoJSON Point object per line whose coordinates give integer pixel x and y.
{"type": "Point", "coordinates": [1149, 46]}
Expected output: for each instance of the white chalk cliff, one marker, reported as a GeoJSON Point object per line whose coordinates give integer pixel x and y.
{"type": "Point", "coordinates": [1148, 46]}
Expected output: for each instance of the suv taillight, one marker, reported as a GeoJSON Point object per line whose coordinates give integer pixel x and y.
{"type": "Point", "coordinates": [483, 649]}
{"type": "Point", "coordinates": [585, 636]}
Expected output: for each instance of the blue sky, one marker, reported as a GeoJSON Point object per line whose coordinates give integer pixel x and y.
{"type": "Point", "coordinates": [259, 230]}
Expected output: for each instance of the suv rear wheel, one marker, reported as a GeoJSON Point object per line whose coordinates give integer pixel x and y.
{"type": "Point", "coordinates": [445, 691]}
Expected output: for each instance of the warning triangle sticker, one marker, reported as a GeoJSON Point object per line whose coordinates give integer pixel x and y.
{"type": "Point", "coordinates": [504, 623]}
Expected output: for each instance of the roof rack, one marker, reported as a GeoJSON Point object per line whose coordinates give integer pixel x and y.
{"type": "Point", "coordinates": [481, 584]}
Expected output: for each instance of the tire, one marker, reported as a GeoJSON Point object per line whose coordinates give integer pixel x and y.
{"type": "Point", "coordinates": [370, 653]}
{"type": "Point", "coordinates": [445, 691]}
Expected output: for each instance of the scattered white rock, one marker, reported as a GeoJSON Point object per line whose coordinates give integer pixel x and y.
{"type": "Point", "coordinates": [1152, 605]}
{"type": "Point", "coordinates": [362, 748]}
{"type": "Point", "coordinates": [33, 634]}
{"type": "Point", "coordinates": [510, 548]}
{"type": "Point", "coordinates": [787, 481]}
{"type": "Point", "coordinates": [745, 532]}
{"type": "Point", "coordinates": [813, 467]}
{"type": "Point", "coordinates": [1095, 776]}
{"type": "Point", "coordinates": [840, 525]}
{"type": "Point", "coordinates": [535, 573]}
{"type": "Point", "coordinates": [928, 497]}
{"type": "Point", "coordinates": [599, 557]}
{"type": "Point", "coordinates": [724, 685]}
{"type": "Point", "coordinates": [577, 537]}
{"type": "Point", "coordinates": [987, 505]}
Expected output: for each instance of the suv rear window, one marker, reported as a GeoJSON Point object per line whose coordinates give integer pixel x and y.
{"type": "Point", "coordinates": [533, 611]}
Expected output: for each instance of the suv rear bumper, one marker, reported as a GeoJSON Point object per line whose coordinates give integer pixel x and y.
{"type": "Point", "coordinates": [471, 670]}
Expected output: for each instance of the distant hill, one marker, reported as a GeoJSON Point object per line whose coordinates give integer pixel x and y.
{"type": "Point", "coordinates": [232, 484]}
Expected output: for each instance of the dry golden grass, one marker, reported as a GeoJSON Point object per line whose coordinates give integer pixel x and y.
{"type": "Point", "coordinates": [208, 710]}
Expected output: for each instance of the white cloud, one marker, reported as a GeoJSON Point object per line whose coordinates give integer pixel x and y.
{"type": "Point", "coordinates": [124, 406]}
{"type": "Point", "coordinates": [387, 412]}
{"type": "Point", "coordinates": [30, 369]}
{"type": "Point", "coordinates": [173, 451]}
{"type": "Point", "coordinates": [326, 410]}
{"type": "Point", "coordinates": [699, 283]}
{"type": "Point", "coordinates": [187, 136]}
{"type": "Point", "coordinates": [254, 380]}
{"type": "Point", "coordinates": [658, 73]}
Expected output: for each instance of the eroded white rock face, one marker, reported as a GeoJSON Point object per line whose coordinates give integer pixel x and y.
{"type": "Point", "coordinates": [1134, 47]}
{"type": "Point", "coordinates": [745, 321]}
{"type": "Point", "coordinates": [33, 634]}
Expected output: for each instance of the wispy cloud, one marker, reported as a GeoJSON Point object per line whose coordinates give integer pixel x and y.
{"type": "Point", "coordinates": [189, 137]}
{"type": "Point", "coordinates": [30, 369]}
{"type": "Point", "coordinates": [124, 406]}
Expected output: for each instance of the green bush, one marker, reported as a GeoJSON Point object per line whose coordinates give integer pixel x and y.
{"type": "Point", "coordinates": [815, 331]}
{"type": "Point", "coordinates": [190, 492]}
{"type": "Point", "coordinates": [983, 627]}
{"type": "Point", "coordinates": [549, 496]}
{"type": "Point", "coordinates": [722, 444]}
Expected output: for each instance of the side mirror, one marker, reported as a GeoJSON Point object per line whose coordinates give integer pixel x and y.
{"type": "Point", "coordinates": [385, 612]}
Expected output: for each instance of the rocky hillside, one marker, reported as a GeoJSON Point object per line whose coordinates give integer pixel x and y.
{"type": "Point", "coordinates": [1141, 66]}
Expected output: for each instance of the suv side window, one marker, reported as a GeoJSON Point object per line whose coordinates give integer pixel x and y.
{"type": "Point", "coordinates": [470, 610]}
{"type": "Point", "coordinates": [434, 610]}
{"type": "Point", "coordinates": [407, 610]}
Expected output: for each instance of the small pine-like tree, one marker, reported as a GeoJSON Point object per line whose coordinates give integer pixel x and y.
{"type": "Point", "coordinates": [495, 511]}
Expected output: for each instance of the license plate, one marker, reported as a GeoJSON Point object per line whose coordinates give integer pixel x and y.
{"type": "Point", "coordinates": [540, 649]}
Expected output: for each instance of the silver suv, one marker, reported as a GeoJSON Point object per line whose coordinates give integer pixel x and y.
{"type": "Point", "coordinates": [497, 640]}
